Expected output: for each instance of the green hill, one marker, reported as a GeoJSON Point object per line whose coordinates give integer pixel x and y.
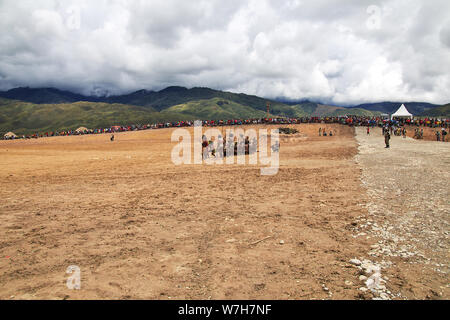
{"type": "Point", "coordinates": [173, 96]}
{"type": "Point", "coordinates": [25, 118]}
{"type": "Point", "coordinates": [442, 111]}
{"type": "Point", "coordinates": [215, 109]}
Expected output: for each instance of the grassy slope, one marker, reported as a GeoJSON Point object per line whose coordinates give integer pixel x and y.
{"type": "Point", "coordinates": [23, 117]}
{"type": "Point", "coordinates": [215, 109]}
{"type": "Point", "coordinates": [442, 111]}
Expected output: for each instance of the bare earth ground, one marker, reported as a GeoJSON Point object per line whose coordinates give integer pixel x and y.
{"type": "Point", "coordinates": [140, 227]}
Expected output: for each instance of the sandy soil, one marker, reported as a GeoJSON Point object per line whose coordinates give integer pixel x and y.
{"type": "Point", "coordinates": [140, 227]}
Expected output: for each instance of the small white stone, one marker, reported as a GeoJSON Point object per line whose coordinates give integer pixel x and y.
{"type": "Point", "coordinates": [355, 262]}
{"type": "Point", "coordinates": [384, 296]}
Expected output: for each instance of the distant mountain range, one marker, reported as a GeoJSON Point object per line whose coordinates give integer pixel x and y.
{"type": "Point", "coordinates": [416, 108]}
{"type": "Point", "coordinates": [25, 110]}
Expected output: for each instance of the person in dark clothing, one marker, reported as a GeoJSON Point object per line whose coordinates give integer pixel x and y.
{"type": "Point", "coordinates": [387, 138]}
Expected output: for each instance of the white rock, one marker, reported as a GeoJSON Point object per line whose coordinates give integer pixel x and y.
{"type": "Point", "coordinates": [384, 296]}
{"type": "Point", "coordinates": [355, 262]}
{"type": "Point", "coordinates": [373, 282]}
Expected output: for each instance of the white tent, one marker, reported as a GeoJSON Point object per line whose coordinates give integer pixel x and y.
{"type": "Point", "coordinates": [402, 112]}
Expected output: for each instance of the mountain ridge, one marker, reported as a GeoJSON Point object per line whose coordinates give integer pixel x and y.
{"type": "Point", "coordinates": [175, 95]}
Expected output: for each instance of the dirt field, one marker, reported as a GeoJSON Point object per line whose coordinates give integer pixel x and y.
{"type": "Point", "coordinates": [139, 227]}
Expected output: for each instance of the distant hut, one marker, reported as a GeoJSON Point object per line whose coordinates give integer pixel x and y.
{"type": "Point", "coordinates": [82, 130]}
{"type": "Point", "coordinates": [10, 135]}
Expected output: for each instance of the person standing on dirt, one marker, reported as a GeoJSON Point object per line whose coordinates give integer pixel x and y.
{"type": "Point", "coordinates": [404, 133]}
{"type": "Point", "coordinates": [438, 136]}
{"type": "Point", "coordinates": [387, 138]}
{"type": "Point", "coordinates": [368, 130]}
{"type": "Point", "coordinates": [444, 134]}
{"type": "Point", "coordinates": [112, 137]}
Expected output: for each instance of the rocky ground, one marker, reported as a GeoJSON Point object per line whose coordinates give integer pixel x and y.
{"type": "Point", "coordinates": [408, 218]}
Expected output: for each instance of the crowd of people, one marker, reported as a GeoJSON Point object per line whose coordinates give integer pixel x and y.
{"type": "Point", "coordinates": [344, 120]}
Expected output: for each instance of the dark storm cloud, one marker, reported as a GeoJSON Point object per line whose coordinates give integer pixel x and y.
{"type": "Point", "coordinates": [337, 51]}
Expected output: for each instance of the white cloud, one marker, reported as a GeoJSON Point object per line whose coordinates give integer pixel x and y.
{"type": "Point", "coordinates": [324, 50]}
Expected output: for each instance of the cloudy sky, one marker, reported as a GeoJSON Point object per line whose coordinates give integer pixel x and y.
{"type": "Point", "coordinates": [336, 51]}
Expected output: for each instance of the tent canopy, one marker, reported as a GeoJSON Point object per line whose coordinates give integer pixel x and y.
{"type": "Point", "coordinates": [10, 135]}
{"type": "Point", "coordinates": [402, 112]}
